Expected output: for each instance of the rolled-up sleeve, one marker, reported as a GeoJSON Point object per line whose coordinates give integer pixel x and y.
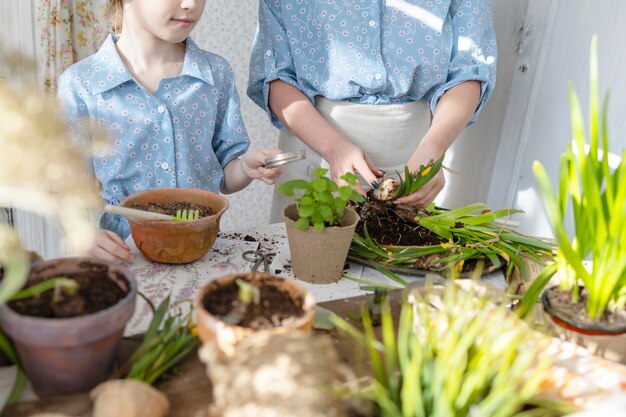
{"type": "Point", "coordinates": [474, 51]}
{"type": "Point", "coordinates": [271, 57]}
{"type": "Point", "coordinates": [231, 139]}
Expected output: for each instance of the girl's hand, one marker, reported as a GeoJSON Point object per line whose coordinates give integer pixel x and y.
{"type": "Point", "coordinates": [108, 246]}
{"type": "Point", "coordinates": [253, 165]}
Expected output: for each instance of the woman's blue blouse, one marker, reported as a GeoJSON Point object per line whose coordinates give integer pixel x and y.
{"type": "Point", "coordinates": [373, 52]}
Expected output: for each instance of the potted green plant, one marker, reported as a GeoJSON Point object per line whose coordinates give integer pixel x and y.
{"type": "Point", "coordinates": [451, 353]}
{"type": "Point", "coordinates": [320, 225]}
{"type": "Point", "coordinates": [175, 242]}
{"type": "Point", "coordinates": [588, 304]}
{"type": "Point", "coordinates": [234, 306]}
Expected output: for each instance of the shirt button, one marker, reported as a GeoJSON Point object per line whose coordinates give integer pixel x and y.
{"type": "Point", "coordinates": [378, 76]}
{"type": "Point", "coordinates": [268, 54]}
{"type": "Point", "coordinates": [165, 166]}
{"type": "Point", "coordinates": [161, 109]}
{"type": "Point", "coordinates": [372, 23]}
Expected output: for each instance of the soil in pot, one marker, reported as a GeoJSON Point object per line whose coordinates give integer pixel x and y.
{"type": "Point", "coordinates": [275, 308]}
{"type": "Point", "coordinates": [561, 305]}
{"type": "Point", "coordinates": [95, 293]}
{"type": "Point", "coordinates": [173, 207]}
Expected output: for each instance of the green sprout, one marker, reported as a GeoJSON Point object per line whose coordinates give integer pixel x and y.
{"type": "Point", "coordinates": [321, 202]}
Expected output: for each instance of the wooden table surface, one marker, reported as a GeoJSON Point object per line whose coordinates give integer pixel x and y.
{"type": "Point", "coordinates": [189, 393]}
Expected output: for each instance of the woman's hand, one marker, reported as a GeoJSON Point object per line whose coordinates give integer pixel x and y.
{"type": "Point", "coordinates": [108, 246]}
{"type": "Point", "coordinates": [347, 157]}
{"type": "Point", "coordinates": [427, 193]}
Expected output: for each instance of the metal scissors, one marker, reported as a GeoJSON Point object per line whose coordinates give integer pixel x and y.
{"type": "Point", "coordinates": [258, 257]}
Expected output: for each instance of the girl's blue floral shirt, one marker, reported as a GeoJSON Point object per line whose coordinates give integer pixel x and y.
{"type": "Point", "coordinates": [373, 52]}
{"type": "Point", "coordinates": [182, 135]}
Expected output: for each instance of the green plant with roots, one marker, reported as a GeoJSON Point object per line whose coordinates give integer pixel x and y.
{"type": "Point", "coordinates": [321, 202]}
{"type": "Point", "coordinates": [472, 233]}
{"type": "Point", "coordinates": [595, 194]}
{"type": "Point", "coordinates": [453, 354]}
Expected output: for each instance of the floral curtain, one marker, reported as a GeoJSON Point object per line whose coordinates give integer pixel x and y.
{"type": "Point", "coordinates": [70, 30]}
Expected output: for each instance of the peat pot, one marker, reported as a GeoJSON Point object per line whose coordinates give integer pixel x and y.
{"type": "Point", "coordinates": [318, 257]}
{"type": "Point", "coordinates": [602, 339]}
{"type": "Point", "coordinates": [176, 242]}
{"type": "Point", "coordinates": [220, 325]}
{"type": "Point", "coordinates": [68, 355]}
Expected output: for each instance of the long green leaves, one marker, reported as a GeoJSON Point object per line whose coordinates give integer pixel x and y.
{"type": "Point", "coordinates": [167, 341]}
{"type": "Point", "coordinates": [469, 236]}
{"type": "Point", "coordinates": [412, 182]}
{"type": "Point", "coordinates": [467, 357]}
{"type": "Point", "coordinates": [596, 198]}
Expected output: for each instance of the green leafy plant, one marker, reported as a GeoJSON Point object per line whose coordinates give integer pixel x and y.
{"type": "Point", "coordinates": [321, 202]}
{"type": "Point", "coordinates": [411, 182]}
{"type": "Point", "coordinates": [596, 196]}
{"type": "Point", "coordinates": [468, 236]}
{"type": "Point", "coordinates": [168, 340]}
{"type": "Point", "coordinates": [466, 357]}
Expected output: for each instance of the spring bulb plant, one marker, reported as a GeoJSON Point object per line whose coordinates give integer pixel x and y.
{"type": "Point", "coordinates": [451, 355]}
{"type": "Point", "coordinates": [593, 254]}
{"type": "Point", "coordinates": [321, 202]}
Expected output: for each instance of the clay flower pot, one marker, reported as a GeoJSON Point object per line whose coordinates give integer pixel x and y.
{"type": "Point", "coordinates": [176, 242]}
{"type": "Point", "coordinates": [68, 355]}
{"type": "Point", "coordinates": [212, 327]}
{"type": "Point", "coordinates": [608, 341]}
{"type": "Point", "coordinates": [317, 256]}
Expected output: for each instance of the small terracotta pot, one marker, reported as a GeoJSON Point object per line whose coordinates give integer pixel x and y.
{"type": "Point", "coordinates": [213, 329]}
{"type": "Point", "coordinates": [63, 356]}
{"type": "Point", "coordinates": [317, 256]}
{"type": "Point", "coordinates": [608, 343]}
{"type": "Point", "coordinates": [176, 242]}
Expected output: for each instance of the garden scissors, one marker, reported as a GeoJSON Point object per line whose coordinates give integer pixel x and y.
{"type": "Point", "coordinates": [258, 257]}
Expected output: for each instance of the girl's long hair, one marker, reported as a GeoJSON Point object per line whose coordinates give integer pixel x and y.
{"type": "Point", "coordinates": [114, 13]}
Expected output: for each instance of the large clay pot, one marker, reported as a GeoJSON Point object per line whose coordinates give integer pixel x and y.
{"type": "Point", "coordinates": [606, 341]}
{"type": "Point", "coordinates": [317, 256]}
{"type": "Point", "coordinates": [176, 242]}
{"type": "Point", "coordinates": [213, 329]}
{"type": "Point", "coordinates": [68, 355]}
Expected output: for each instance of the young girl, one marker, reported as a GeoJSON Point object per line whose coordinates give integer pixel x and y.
{"type": "Point", "coordinates": [171, 109]}
{"type": "Point", "coordinates": [372, 85]}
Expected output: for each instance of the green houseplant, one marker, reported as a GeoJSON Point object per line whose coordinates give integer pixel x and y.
{"type": "Point", "coordinates": [452, 353]}
{"type": "Point", "coordinates": [588, 305]}
{"type": "Point", "coordinates": [320, 225]}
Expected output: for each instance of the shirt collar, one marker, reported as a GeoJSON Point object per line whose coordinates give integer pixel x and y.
{"type": "Point", "coordinates": [108, 70]}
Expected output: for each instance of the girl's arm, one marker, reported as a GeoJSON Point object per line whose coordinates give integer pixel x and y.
{"type": "Point", "coordinates": [299, 115]}
{"type": "Point", "coordinates": [454, 110]}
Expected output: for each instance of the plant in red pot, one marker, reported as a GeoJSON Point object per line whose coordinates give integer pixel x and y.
{"type": "Point", "coordinates": [67, 337]}
{"type": "Point", "coordinates": [588, 305]}
{"type": "Point", "coordinates": [234, 306]}
{"type": "Point", "coordinates": [170, 241]}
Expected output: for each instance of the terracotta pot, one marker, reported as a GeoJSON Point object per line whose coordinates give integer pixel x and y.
{"type": "Point", "coordinates": [176, 242]}
{"type": "Point", "coordinates": [317, 256]}
{"type": "Point", "coordinates": [63, 356]}
{"type": "Point", "coordinates": [214, 329]}
{"type": "Point", "coordinates": [609, 343]}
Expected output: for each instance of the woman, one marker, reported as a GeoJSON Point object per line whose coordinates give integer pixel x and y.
{"type": "Point", "coordinates": [371, 86]}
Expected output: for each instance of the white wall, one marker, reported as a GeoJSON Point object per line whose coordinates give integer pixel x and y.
{"type": "Point", "coordinates": [563, 55]}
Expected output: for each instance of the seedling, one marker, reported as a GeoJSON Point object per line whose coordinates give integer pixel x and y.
{"type": "Point", "coordinates": [322, 202]}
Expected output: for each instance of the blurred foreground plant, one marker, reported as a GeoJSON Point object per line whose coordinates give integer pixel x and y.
{"type": "Point", "coordinates": [453, 354]}
{"type": "Point", "coordinates": [169, 339]}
